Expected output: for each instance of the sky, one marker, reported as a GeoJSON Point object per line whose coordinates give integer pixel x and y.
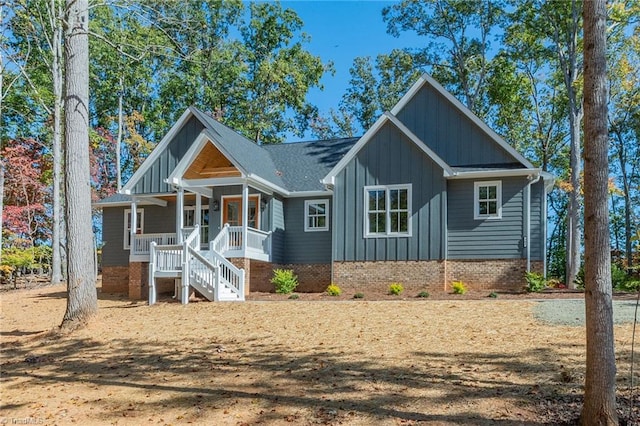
{"type": "Point", "coordinates": [340, 31]}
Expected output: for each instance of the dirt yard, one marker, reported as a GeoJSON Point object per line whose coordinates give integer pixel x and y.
{"type": "Point", "coordinates": [279, 361]}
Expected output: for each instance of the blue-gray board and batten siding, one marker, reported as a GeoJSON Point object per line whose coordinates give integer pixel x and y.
{"type": "Point", "coordinates": [468, 238]}
{"type": "Point", "coordinates": [448, 132]}
{"type": "Point", "coordinates": [153, 181]}
{"type": "Point", "coordinates": [390, 158]}
{"type": "Point", "coordinates": [305, 247]}
{"type": "Point", "coordinates": [157, 219]}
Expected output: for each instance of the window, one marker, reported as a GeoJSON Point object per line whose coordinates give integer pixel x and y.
{"type": "Point", "coordinates": [316, 215]}
{"type": "Point", "coordinates": [387, 210]}
{"type": "Point", "coordinates": [488, 200]}
{"type": "Point", "coordinates": [127, 225]}
{"type": "Point", "coordinates": [189, 221]}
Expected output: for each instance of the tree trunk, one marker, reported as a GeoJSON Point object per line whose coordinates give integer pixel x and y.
{"type": "Point", "coordinates": [57, 78]}
{"type": "Point", "coordinates": [570, 69]}
{"type": "Point", "coordinates": [574, 236]}
{"type": "Point", "coordinates": [1, 199]}
{"type": "Point", "coordinates": [119, 137]}
{"type": "Point", "coordinates": [600, 386]}
{"type": "Point", "coordinates": [81, 285]}
{"type": "Point", "coordinates": [1, 133]}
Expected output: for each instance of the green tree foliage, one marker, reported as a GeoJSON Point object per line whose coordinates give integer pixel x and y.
{"type": "Point", "coordinates": [624, 127]}
{"type": "Point", "coordinates": [458, 46]}
{"type": "Point", "coordinates": [279, 73]}
{"type": "Point", "coordinates": [204, 63]}
{"type": "Point", "coordinates": [376, 88]}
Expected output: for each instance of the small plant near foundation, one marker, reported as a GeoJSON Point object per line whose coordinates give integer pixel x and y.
{"type": "Point", "coordinates": [333, 290]}
{"type": "Point", "coordinates": [294, 296]}
{"type": "Point", "coordinates": [493, 295]}
{"type": "Point", "coordinates": [458, 287]}
{"type": "Point", "coordinates": [358, 296]}
{"type": "Point", "coordinates": [284, 280]}
{"type": "Point", "coordinates": [396, 289]}
{"type": "Point", "coordinates": [535, 282]}
{"type": "Point", "coordinates": [423, 294]}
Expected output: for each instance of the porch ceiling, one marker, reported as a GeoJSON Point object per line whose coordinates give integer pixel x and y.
{"type": "Point", "coordinates": [211, 163]}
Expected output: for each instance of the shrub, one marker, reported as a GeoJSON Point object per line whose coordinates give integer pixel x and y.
{"type": "Point", "coordinates": [423, 294]}
{"type": "Point", "coordinates": [333, 290]}
{"type": "Point", "coordinates": [396, 289]}
{"type": "Point", "coordinates": [358, 296]}
{"type": "Point", "coordinates": [535, 282]}
{"type": "Point", "coordinates": [284, 281]}
{"type": "Point", "coordinates": [555, 283]}
{"type": "Point", "coordinates": [458, 287]}
{"type": "Point", "coordinates": [493, 295]}
{"type": "Point", "coordinates": [619, 278]}
{"type": "Point", "coordinates": [630, 285]}
{"type": "Point", "coordinates": [294, 296]}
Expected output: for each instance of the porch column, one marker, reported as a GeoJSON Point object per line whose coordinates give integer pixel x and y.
{"type": "Point", "coordinates": [179, 215]}
{"type": "Point", "coordinates": [197, 219]}
{"type": "Point", "coordinates": [133, 223]}
{"type": "Point", "coordinates": [245, 216]}
{"type": "Point", "coordinates": [198, 213]}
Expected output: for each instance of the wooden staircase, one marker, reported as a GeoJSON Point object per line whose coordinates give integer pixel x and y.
{"type": "Point", "coordinates": [208, 272]}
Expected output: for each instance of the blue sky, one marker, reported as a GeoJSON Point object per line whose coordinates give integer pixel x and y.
{"type": "Point", "coordinates": [340, 31]}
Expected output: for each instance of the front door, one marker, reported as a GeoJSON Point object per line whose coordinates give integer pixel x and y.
{"type": "Point", "coordinates": [232, 211]}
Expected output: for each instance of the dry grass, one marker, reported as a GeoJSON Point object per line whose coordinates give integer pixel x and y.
{"type": "Point", "coordinates": [446, 362]}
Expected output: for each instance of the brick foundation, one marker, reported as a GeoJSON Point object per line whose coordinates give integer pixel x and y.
{"type": "Point", "coordinates": [138, 280]}
{"type": "Point", "coordinates": [115, 279]}
{"type": "Point", "coordinates": [312, 278]}
{"type": "Point", "coordinates": [244, 263]}
{"type": "Point", "coordinates": [499, 274]}
{"type": "Point", "coordinates": [415, 276]}
{"type": "Point", "coordinates": [433, 275]}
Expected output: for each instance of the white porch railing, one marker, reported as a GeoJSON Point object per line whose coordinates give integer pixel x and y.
{"type": "Point", "coordinates": [141, 242]}
{"type": "Point", "coordinates": [229, 242]}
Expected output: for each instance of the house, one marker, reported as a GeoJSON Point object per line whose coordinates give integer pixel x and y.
{"type": "Point", "coordinates": [428, 195]}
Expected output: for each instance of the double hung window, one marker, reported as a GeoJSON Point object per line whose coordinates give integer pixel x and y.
{"type": "Point", "coordinates": [387, 210]}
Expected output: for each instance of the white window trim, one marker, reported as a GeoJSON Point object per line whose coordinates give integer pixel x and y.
{"type": "Point", "coordinates": [388, 233]}
{"type": "Point", "coordinates": [307, 203]}
{"type": "Point", "coordinates": [202, 208]}
{"type": "Point", "coordinates": [476, 200]}
{"type": "Point", "coordinates": [127, 230]}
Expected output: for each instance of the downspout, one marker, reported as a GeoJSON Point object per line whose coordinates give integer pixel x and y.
{"type": "Point", "coordinates": [528, 219]}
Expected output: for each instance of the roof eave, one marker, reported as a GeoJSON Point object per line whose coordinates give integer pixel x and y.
{"type": "Point", "coordinates": [479, 174]}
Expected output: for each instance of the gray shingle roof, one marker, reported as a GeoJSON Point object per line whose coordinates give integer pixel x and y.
{"type": "Point", "coordinates": [304, 164]}
{"type": "Point", "coordinates": [114, 199]}
{"type": "Point", "coordinates": [297, 166]}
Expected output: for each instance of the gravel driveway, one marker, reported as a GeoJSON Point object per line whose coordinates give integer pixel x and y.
{"type": "Point", "coordinates": [571, 312]}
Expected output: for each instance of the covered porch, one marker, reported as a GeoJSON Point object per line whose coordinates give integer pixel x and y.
{"type": "Point", "coordinates": [232, 220]}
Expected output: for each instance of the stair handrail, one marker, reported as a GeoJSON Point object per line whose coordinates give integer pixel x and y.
{"type": "Point", "coordinates": [208, 265]}
{"type": "Point", "coordinates": [221, 242]}
{"type": "Point", "coordinates": [223, 264]}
